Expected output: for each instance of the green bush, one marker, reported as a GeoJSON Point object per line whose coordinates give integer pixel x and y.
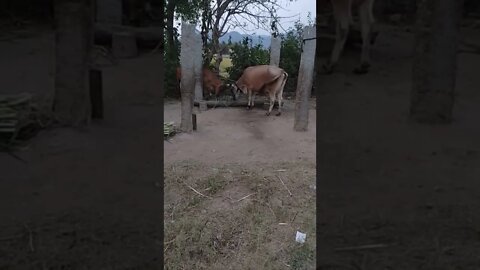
{"type": "Point", "coordinates": [244, 55]}
{"type": "Point", "coordinates": [290, 54]}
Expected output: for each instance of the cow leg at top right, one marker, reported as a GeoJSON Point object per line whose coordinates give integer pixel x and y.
{"type": "Point", "coordinates": [342, 14]}
{"type": "Point", "coordinates": [366, 21]}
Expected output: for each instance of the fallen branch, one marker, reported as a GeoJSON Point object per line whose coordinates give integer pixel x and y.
{"type": "Point", "coordinates": [8, 238]}
{"type": "Point", "coordinates": [469, 47]}
{"type": "Point", "coordinates": [231, 103]}
{"type": "Point", "coordinates": [363, 247]}
{"type": "Point", "coordinates": [141, 33]}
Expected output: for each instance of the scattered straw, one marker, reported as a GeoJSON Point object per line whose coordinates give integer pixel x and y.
{"type": "Point", "coordinates": [284, 185]}
{"type": "Point", "coordinates": [243, 198]}
{"type": "Point", "coordinates": [198, 192]}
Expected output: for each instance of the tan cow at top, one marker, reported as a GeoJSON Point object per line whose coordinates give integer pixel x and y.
{"type": "Point", "coordinates": [342, 11]}
{"type": "Point", "coordinates": [271, 79]}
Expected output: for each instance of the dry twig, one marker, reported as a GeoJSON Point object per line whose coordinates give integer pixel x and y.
{"type": "Point", "coordinates": [198, 192]}
{"type": "Point", "coordinates": [30, 238]}
{"type": "Point", "coordinates": [284, 185]}
{"type": "Point", "coordinates": [244, 197]}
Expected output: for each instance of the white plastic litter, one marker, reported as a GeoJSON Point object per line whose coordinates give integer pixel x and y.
{"type": "Point", "coordinates": [300, 237]}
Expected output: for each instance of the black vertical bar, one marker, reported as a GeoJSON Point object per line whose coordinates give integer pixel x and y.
{"type": "Point", "coordinates": [96, 93]}
{"type": "Point", "coordinates": [194, 121]}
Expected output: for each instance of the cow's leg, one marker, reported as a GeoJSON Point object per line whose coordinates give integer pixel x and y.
{"type": "Point", "coordinates": [249, 99]}
{"type": "Point", "coordinates": [342, 13]}
{"type": "Point", "coordinates": [253, 99]}
{"type": "Point", "coordinates": [280, 94]}
{"type": "Point", "coordinates": [366, 21]}
{"type": "Point", "coordinates": [272, 102]}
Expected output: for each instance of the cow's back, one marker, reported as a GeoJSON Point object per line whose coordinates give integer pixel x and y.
{"type": "Point", "coordinates": [256, 77]}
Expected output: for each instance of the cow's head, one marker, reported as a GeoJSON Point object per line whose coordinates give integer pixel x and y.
{"type": "Point", "coordinates": [235, 89]}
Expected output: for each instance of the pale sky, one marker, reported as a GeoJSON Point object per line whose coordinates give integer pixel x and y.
{"type": "Point", "coordinates": [299, 9]}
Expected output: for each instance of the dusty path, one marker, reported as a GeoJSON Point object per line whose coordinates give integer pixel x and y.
{"type": "Point", "coordinates": [235, 135]}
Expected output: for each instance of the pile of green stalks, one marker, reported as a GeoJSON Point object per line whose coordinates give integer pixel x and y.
{"type": "Point", "coordinates": [20, 119]}
{"type": "Point", "coordinates": [168, 129]}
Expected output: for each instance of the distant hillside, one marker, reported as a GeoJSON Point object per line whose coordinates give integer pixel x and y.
{"type": "Point", "coordinates": [256, 39]}
{"type": "Point", "coordinates": [237, 37]}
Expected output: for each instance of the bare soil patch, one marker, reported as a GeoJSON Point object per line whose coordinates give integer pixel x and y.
{"type": "Point", "coordinates": [383, 180]}
{"type": "Point", "coordinates": [83, 199]}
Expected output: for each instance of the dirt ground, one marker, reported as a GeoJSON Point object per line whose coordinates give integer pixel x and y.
{"type": "Point", "coordinates": [83, 199]}
{"type": "Point", "coordinates": [236, 154]}
{"type": "Point", "coordinates": [412, 189]}
{"type": "Point", "coordinates": [382, 181]}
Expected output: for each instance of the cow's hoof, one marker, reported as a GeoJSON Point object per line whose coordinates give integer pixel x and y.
{"type": "Point", "coordinates": [248, 108]}
{"type": "Point", "coordinates": [328, 69]}
{"type": "Point", "coordinates": [278, 114]}
{"type": "Point", "coordinates": [267, 114]}
{"type": "Point", "coordinates": [362, 69]}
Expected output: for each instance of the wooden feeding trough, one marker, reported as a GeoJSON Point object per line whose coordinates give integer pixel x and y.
{"type": "Point", "coordinates": [326, 38]}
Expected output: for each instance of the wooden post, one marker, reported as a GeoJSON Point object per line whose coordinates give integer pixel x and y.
{"type": "Point", "coordinates": [198, 62]}
{"type": "Point", "coordinates": [124, 45]}
{"type": "Point", "coordinates": [435, 61]}
{"type": "Point", "coordinates": [305, 79]}
{"type": "Point", "coordinates": [96, 93]}
{"type": "Point", "coordinates": [275, 46]}
{"type": "Point", "coordinates": [202, 105]}
{"type": "Point", "coordinates": [194, 121]}
{"type": "Point", "coordinates": [187, 84]}
{"type": "Point", "coordinates": [74, 41]}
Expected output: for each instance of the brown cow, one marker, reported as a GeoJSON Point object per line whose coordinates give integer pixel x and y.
{"type": "Point", "coordinates": [271, 79]}
{"type": "Point", "coordinates": [342, 11]}
{"type": "Point", "coordinates": [212, 85]}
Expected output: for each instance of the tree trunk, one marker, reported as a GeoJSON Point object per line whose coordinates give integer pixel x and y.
{"type": "Point", "coordinates": [435, 61]}
{"type": "Point", "coordinates": [218, 60]}
{"type": "Point", "coordinates": [206, 22]}
{"type": "Point", "coordinates": [216, 47]}
{"type": "Point", "coordinates": [170, 17]}
{"type": "Point", "coordinates": [74, 40]}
